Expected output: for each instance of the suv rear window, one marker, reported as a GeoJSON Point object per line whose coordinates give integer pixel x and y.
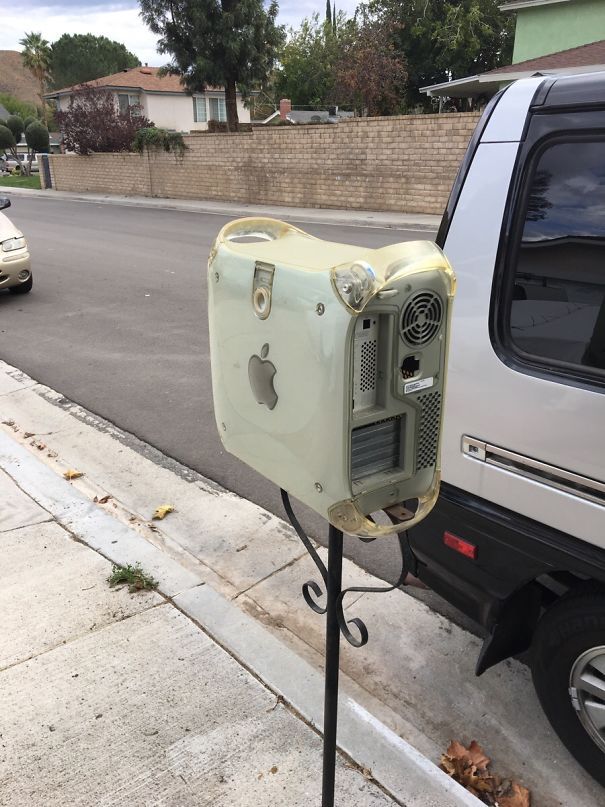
{"type": "Point", "coordinates": [556, 315]}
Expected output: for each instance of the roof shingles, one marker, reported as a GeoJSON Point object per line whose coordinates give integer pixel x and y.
{"type": "Point", "coordinates": [582, 56]}
{"type": "Point", "coordinates": [147, 79]}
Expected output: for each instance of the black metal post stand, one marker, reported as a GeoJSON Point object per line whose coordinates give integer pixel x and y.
{"type": "Point", "coordinates": [336, 623]}
{"type": "Point", "coordinates": [332, 662]}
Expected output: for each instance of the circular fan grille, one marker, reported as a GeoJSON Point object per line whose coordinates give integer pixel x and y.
{"type": "Point", "coordinates": [421, 318]}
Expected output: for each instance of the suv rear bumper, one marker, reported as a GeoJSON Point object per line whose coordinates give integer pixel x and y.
{"type": "Point", "coordinates": [512, 552]}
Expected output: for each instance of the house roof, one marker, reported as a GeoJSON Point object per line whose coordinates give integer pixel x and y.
{"type": "Point", "coordinates": [582, 56]}
{"type": "Point", "coordinates": [583, 59]}
{"type": "Point", "coordinates": [514, 5]}
{"type": "Point", "coordinates": [145, 78]}
{"type": "Point", "coordinates": [16, 80]}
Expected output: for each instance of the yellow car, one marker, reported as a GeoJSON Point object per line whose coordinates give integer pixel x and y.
{"type": "Point", "coordinates": [15, 264]}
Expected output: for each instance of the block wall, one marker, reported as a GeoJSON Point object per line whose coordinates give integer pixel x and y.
{"type": "Point", "coordinates": [404, 163]}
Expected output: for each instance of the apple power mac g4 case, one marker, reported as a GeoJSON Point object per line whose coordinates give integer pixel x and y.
{"type": "Point", "coordinates": [329, 366]}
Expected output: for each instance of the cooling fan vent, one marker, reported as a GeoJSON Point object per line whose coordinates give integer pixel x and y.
{"type": "Point", "coordinates": [421, 319]}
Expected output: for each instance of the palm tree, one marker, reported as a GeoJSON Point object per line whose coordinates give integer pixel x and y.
{"type": "Point", "coordinates": [36, 55]}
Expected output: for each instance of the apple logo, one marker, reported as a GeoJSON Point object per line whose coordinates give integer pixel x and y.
{"type": "Point", "coordinates": [261, 375]}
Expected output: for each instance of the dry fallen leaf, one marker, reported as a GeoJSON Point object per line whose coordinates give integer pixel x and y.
{"type": "Point", "coordinates": [477, 756]}
{"type": "Point", "coordinates": [469, 767]}
{"type": "Point", "coordinates": [71, 474]}
{"type": "Point", "coordinates": [518, 796]}
{"type": "Point", "coordinates": [103, 499]}
{"type": "Point", "coordinates": [162, 511]}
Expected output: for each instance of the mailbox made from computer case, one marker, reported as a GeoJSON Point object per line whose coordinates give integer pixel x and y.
{"type": "Point", "coordinates": [329, 365]}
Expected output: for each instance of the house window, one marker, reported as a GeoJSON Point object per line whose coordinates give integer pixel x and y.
{"type": "Point", "coordinates": [199, 109]}
{"type": "Point", "coordinates": [126, 100]}
{"type": "Point", "coordinates": [218, 110]}
{"type": "Point", "coordinates": [557, 311]}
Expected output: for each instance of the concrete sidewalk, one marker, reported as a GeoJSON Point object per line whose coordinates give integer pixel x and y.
{"type": "Point", "coordinates": [174, 697]}
{"type": "Point", "coordinates": [351, 218]}
{"type": "Point", "coordinates": [237, 570]}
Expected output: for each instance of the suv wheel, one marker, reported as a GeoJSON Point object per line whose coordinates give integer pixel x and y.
{"type": "Point", "coordinates": [568, 668]}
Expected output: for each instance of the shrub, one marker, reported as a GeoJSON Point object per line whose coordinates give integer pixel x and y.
{"type": "Point", "coordinates": [37, 138]}
{"type": "Point", "coordinates": [15, 107]}
{"type": "Point", "coordinates": [7, 138]}
{"type": "Point", "coordinates": [154, 139]}
{"type": "Point", "coordinates": [15, 124]}
{"type": "Point", "coordinates": [93, 123]}
{"type": "Point", "coordinates": [26, 121]}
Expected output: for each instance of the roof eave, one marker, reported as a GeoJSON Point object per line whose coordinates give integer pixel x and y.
{"type": "Point", "coordinates": [520, 4]}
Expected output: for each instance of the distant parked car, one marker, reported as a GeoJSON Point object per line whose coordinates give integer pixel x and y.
{"type": "Point", "coordinates": [11, 162]}
{"type": "Point", "coordinates": [15, 265]}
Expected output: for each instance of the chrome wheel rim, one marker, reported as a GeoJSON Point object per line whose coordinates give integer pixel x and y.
{"type": "Point", "coordinates": [587, 692]}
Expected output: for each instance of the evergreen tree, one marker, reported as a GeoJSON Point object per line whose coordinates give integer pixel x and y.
{"type": "Point", "coordinates": [228, 43]}
{"type": "Point", "coordinates": [328, 13]}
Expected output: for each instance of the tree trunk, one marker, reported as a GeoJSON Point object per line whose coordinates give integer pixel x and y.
{"type": "Point", "coordinates": [43, 101]}
{"type": "Point", "coordinates": [231, 105]}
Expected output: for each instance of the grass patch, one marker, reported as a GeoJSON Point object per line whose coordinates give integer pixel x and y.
{"type": "Point", "coordinates": [21, 182]}
{"type": "Point", "coordinates": [133, 576]}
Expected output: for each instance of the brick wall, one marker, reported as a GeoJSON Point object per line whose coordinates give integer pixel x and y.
{"type": "Point", "coordinates": [403, 163]}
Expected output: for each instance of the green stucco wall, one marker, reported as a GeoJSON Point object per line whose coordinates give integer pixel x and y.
{"type": "Point", "coordinates": [558, 26]}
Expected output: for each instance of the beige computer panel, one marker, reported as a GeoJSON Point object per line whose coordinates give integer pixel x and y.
{"type": "Point", "coordinates": [329, 366]}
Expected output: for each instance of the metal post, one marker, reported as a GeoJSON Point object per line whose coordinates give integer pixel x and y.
{"type": "Point", "coordinates": [331, 665]}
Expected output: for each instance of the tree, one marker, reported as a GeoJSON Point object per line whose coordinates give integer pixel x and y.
{"type": "Point", "coordinates": [93, 122]}
{"type": "Point", "coordinates": [10, 134]}
{"type": "Point", "coordinates": [7, 139]}
{"type": "Point", "coordinates": [15, 124]}
{"type": "Point", "coordinates": [37, 139]}
{"type": "Point", "coordinates": [228, 43]}
{"type": "Point", "coordinates": [446, 39]}
{"type": "Point", "coordinates": [307, 60]}
{"type": "Point", "coordinates": [79, 58]}
{"type": "Point", "coordinates": [328, 12]}
{"type": "Point", "coordinates": [370, 74]}
{"type": "Point", "coordinates": [36, 58]}
{"type": "Point", "coordinates": [15, 107]}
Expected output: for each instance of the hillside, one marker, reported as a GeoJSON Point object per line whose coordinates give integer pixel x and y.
{"type": "Point", "coordinates": [15, 79]}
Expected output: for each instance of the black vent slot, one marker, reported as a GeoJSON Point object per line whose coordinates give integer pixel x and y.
{"type": "Point", "coordinates": [421, 318]}
{"type": "Point", "coordinates": [428, 433]}
{"type": "Point", "coordinates": [375, 448]}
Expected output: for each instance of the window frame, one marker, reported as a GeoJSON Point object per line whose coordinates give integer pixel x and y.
{"type": "Point", "coordinates": [223, 105]}
{"type": "Point", "coordinates": [196, 99]}
{"type": "Point", "coordinates": [128, 96]}
{"type": "Point", "coordinates": [507, 262]}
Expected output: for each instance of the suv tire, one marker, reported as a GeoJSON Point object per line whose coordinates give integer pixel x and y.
{"type": "Point", "coordinates": [569, 635]}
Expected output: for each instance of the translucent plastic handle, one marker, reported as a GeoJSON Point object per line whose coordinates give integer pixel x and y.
{"type": "Point", "coordinates": [256, 227]}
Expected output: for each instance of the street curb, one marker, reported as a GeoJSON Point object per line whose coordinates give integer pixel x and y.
{"type": "Point", "coordinates": [329, 216]}
{"type": "Point", "coordinates": [103, 533]}
{"type": "Point", "coordinates": [398, 767]}
{"type": "Point", "coordinates": [402, 770]}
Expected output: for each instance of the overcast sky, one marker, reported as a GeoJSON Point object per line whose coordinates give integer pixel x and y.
{"type": "Point", "coordinates": [116, 20]}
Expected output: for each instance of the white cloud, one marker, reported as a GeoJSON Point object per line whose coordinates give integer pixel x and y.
{"type": "Point", "coordinates": [119, 21]}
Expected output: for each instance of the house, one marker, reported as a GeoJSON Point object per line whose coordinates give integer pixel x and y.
{"type": "Point", "coordinates": [163, 99]}
{"type": "Point", "coordinates": [551, 36]}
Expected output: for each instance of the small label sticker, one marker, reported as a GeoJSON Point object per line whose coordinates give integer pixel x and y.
{"type": "Point", "coordinates": [414, 386]}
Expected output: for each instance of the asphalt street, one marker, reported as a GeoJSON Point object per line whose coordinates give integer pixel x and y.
{"type": "Point", "coordinates": [117, 322]}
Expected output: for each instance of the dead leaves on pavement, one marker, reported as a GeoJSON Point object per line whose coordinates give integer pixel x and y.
{"type": "Point", "coordinates": [470, 768]}
{"type": "Point", "coordinates": [162, 511]}
{"type": "Point", "coordinates": [72, 474]}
